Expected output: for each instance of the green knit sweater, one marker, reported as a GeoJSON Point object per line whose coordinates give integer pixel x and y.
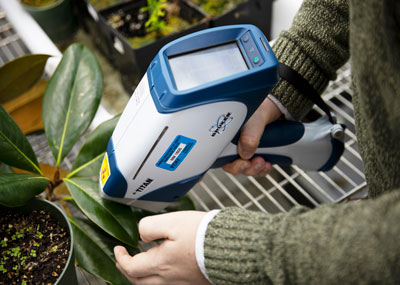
{"type": "Point", "coordinates": [333, 244]}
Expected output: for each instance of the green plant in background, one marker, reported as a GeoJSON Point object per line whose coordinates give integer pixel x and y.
{"type": "Point", "coordinates": [70, 102]}
{"type": "Point", "coordinates": [156, 22]}
{"type": "Point", "coordinates": [38, 3]}
{"type": "Point", "coordinates": [217, 7]}
{"type": "Point", "coordinates": [101, 4]}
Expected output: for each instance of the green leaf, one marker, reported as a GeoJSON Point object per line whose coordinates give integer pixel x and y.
{"type": "Point", "coordinates": [94, 251]}
{"type": "Point", "coordinates": [116, 219]}
{"type": "Point", "coordinates": [90, 156]}
{"type": "Point", "coordinates": [18, 189]}
{"type": "Point", "coordinates": [15, 149]}
{"type": "Point", "coordinates": [4, 168]}
{"type": "Point", "coordinates": [71, 99]}
{"type": "Point", "coordinates": [19, 75]}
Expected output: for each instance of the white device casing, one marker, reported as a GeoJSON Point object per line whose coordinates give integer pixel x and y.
{"type": "Point", "coordinates": [149, 133]}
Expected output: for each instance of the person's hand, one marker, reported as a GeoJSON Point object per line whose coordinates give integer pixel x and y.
{"type": "Point", "coordinates": [173, 261]}
{"type": "Point", "coordinates": [249, 140]}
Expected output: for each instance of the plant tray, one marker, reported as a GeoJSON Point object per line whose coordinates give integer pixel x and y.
{"type": "Point", "coordinates": [133, 62]}
{"type": "Point", "coordinates": [255, 12]}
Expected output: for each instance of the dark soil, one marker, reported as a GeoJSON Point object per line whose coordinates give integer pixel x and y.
{"type": "Point", "coordinates": [129, 23]}
{"type": "Point", "coordinates": [34, 247]}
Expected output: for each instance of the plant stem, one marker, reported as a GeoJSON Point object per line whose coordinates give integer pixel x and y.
{"type": "Point", "coordinates": [53, 185]}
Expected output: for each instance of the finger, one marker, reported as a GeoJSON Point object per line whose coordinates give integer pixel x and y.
{"type": "Point", "coordinates": [258, 164]}
{"type": "Point", "coordinates": [155, 227]}
{"type": "Point", "coordinates": [123, 258]}
{"type": "Point", "coordinates": [238, 166]}
{"type": "Point", "coordinates": [143, 264]}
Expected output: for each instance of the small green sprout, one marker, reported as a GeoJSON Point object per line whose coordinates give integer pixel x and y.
{"type": "Point", "coordinates": [39, 235]}
{"type": "Point", "coordinates": [20, 233]}
{"type": "Point", "coordinates": [54, 248]}
{"type": "Point", "coordinates": [3, 243]}
{"type": "Point", "coordinates": [15, 267]}
{"type": "Point", "coordinates": [15, 252]}
{"type": "Point", "coordinates": [23, 260]}
{"type": "Point", "coordinates": [33, 253]}
{"type": "Point", "coordinates": [2, 269]}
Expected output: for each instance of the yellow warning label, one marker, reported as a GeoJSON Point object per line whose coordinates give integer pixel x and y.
{"type": "Point", "coordinates": [105, 171]}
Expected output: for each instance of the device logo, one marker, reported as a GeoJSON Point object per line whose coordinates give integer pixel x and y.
{"type": "Point", "coordinates": [222, 121]}
{"type": "Point", "coordinates": [143, 186]}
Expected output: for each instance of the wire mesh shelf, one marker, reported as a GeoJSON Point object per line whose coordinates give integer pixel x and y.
{"type": "Point", "coordinates": [11, 46]}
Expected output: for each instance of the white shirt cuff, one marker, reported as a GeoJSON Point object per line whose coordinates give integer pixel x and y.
{"type": "Point", "coordinates": [200, 237]}
{"type": "Point", "coordinates": [281, 108]}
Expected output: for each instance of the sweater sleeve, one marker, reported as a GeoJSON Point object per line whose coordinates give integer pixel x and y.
{"type": "Point", "coordinates": [353, 243]}
{"type": "Point", "coordinates": [316, 45]}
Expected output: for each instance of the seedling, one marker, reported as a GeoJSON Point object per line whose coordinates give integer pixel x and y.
{"type": "Point", "coordinates": [156, 22]}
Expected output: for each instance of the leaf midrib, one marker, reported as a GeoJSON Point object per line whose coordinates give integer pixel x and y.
{"type": "Point", "coordinates": [66, 120]}
{"type": "Point", "coordinates": [83, 166]}
{"type": "Point", "coordinates": [19, 179]}
{"type": "Point", "coordinates": [21, 153]}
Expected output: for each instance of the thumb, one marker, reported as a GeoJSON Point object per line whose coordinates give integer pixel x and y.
{"type": "Point", "coordinates": [255, 126]}
{"type": "Point", "coordinates": [250, 136]}
{"type": "Point", "coordinates": [155, 227]}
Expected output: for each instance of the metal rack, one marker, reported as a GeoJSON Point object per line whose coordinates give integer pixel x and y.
{"type": "Point", "coordinates": [11, 45]}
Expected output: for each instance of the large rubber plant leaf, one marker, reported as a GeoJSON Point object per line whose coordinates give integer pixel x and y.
{"type": "Point", "coordinates": [90, 156]}
{"type": "Point", "coordinates": [71, 99]}
{"type": "Point", "coordinates": [17, 189]}
{"type": "Point", "coordinates": [15, 150]}
{"type": "Point", "coordinates": [19, 75]}
{"type": "Point", "coordinates": [93, 250]}
{"type": "Point", "coordinates": [114, 218]}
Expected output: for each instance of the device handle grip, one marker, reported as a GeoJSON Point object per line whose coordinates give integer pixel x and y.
{"type": "Point", "coordinates": [315, 146]}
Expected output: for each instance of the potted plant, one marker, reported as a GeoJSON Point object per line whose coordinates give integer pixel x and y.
{"type": "Point", "coordinates": [56, 17]}
{"type": "Point", "coordinates": [69, 105]}
{"type": "Point", "coordinates": [36, 245]}
{"type": "Point", "coordinates": [132, 33]}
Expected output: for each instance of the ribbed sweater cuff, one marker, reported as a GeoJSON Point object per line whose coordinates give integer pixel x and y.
{"type": "Point", "coordinates": [297, 104]}
{"type": "Point", "coordinates": [235, 245]}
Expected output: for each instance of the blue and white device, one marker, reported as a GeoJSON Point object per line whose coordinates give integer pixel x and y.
{"type": "Point", "coordinates": [186, 113]}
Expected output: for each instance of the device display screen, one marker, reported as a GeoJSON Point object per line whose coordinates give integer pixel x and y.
{"type": "Point", "coordinates": [194, 69]}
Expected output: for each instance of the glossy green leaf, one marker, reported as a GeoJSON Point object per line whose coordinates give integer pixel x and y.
{"type": "Point", "coordinates": [116, 219]}
{"type": "Point", "coordinates": [71, 99]}
{"type": "Point", "coordinates": [18, 189]}
{"type": "Point", "coordinates": [90, 156]}
{"type": "Point", "coordinates": [19, 75]}
{"type": "Point", "coordinates": [94, 251]}
{"type": "Point", "coordinates": [15, 150]}
{"type": "Point", "coordinates": [4, 168]}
